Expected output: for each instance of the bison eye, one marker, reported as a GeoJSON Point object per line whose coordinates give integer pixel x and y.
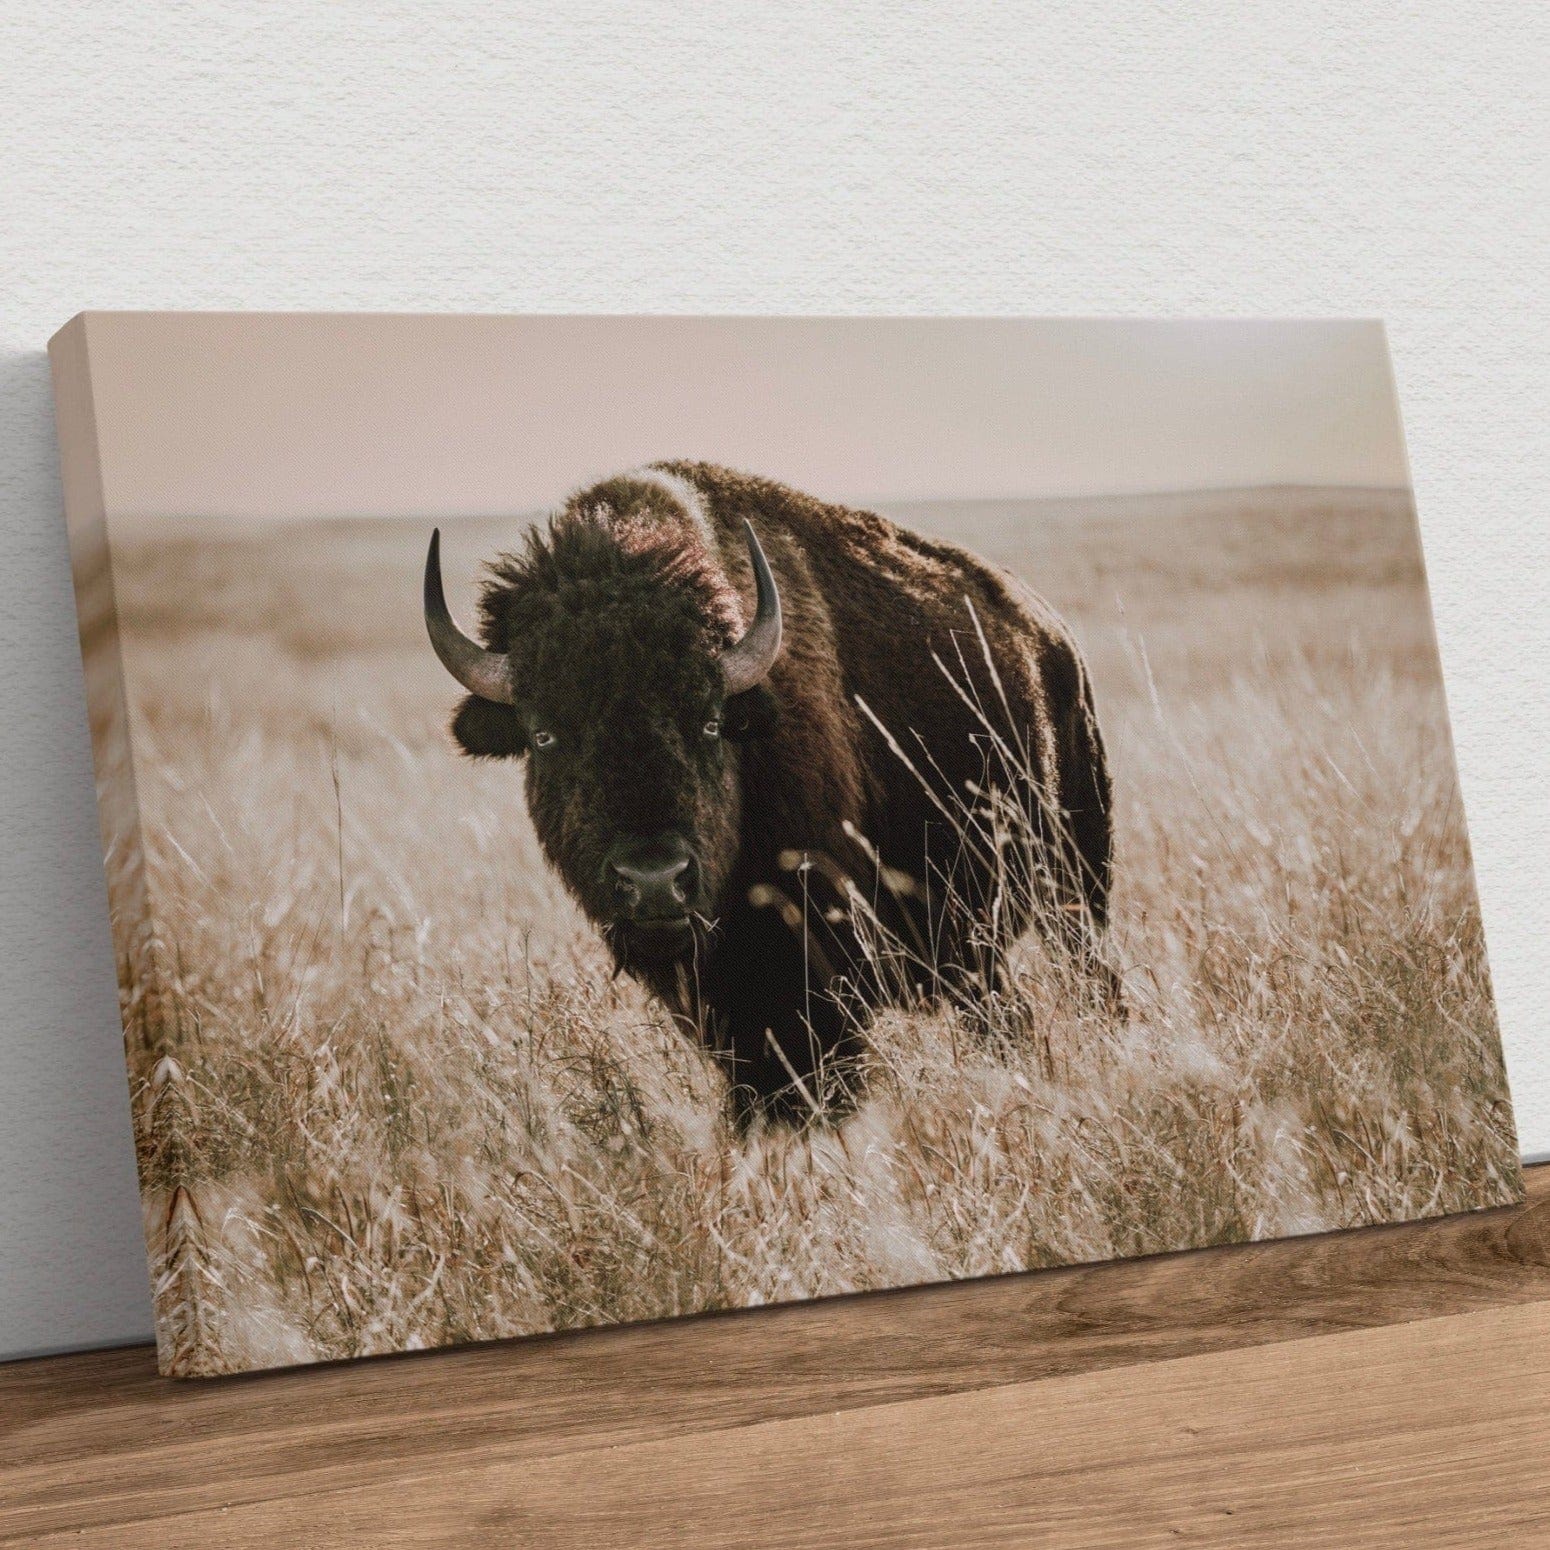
{"type": "Point", "coordinates": [544, 740]}
{"type": "Point", "coordinates": [712, 728]}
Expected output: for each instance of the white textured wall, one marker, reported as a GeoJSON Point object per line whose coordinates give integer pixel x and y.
{"type": "Point", "coordinates": [1131, 158]}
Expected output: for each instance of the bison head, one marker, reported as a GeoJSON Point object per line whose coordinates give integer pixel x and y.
{"type": "Point", "coordinates": [616, 669]}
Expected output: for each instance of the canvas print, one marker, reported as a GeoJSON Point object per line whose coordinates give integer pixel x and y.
{"type": "Point", "coordinates": [610, 818]}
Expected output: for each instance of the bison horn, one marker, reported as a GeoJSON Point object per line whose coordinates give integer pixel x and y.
{"type": "Point", "coordinates": [481, 672]}
{"type": "Point", "coordinates": [749, 661]}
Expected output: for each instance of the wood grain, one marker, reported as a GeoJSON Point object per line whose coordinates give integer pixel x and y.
{"type": "Point", "coordinates": [1114, 1404]}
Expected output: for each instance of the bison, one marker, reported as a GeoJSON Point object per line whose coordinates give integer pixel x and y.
{"type": "Point", "coordinates": [768, 736]}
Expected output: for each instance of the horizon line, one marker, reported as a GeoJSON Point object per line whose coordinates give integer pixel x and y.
{"type": "Point", "coordinates": [856, 502]}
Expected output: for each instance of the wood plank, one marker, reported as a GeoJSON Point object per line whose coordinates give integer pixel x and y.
{"type": "Point", "coordinates": [1431, 1432]}
{"type": "Point", "coordinates": [98, 1440]}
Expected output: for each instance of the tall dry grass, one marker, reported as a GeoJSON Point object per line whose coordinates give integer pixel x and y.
{"type": "Point", "coordinates": [387, 1096]}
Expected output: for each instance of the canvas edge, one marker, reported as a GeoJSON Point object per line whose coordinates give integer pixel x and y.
{"type": "Point", "coordinates": [1429, 612]}
{"type": "Point", "coordinates": [85, 513]}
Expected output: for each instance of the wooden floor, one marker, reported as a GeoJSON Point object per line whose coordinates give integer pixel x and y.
{"type": "Point", "coordinates": [1381, 1388]}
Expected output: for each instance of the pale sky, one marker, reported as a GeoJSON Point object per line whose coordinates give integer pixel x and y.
{"type": "Point", "coordinates": [287, 415]}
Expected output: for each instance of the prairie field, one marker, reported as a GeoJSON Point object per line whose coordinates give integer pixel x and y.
{"type": "Point", "coordinates": [387, 1095]}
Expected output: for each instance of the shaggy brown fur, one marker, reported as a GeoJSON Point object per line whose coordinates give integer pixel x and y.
{"type": "Point", "coordinates": [846, 757]}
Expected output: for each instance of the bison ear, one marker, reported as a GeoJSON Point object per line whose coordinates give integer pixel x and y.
{"type": "Point", "coordinates": [485, 730]}
{"type": "Point", "coordinates": [749, 715]}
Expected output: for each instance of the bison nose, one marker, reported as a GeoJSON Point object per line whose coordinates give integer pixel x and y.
{"type": "Point", "coordinates": [653, 884]}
